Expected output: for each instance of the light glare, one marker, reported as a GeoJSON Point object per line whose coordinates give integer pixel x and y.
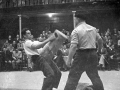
{"type": "Point", "coordinates": [51, 14]}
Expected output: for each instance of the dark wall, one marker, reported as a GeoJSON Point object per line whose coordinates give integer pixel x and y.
{"type": "Point", "coordinates": [10, 24]}
{"type": "Point", "coordinates": [105, 20]}
{"type": "Point", "coordinates": [102, 21]}
{"type": "Point", "coordinates": [38, 24]}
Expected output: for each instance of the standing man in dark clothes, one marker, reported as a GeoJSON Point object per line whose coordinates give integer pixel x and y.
{"type": "Point", "coordinates": [10, 39]}
{"type": "Point", "coordinates": [83, 46]}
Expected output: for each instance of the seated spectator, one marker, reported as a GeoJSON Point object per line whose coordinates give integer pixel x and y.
{"type": "Point", "coordinates": [6, 44]}
{"type": "Point", "coordinates": [65, 52]}
{"type": "Point", "coordinates": [24, 59]}
{"type": "Point", "coordinates": [114, 38]}
{"type": "Point", "coordinates": [118, 41]}
{"type": "Point", "coordinates": [103, 58]}
{"type": "Point", "coordinates": [17, 58]}
{"type": "Point", "coordinates": [3, 58]}
{"type": "Point", "coordinates": [30, 63]}
{"type": "Point", "coordinates": [11, 48]}
{"type": "Point", "coordinates": [43, 33]}
{"type": "Point", "coordinates": [112, 56]}
{"type": "Point", "coordinates": [114, 61]}
{"type": "Point", "coordinates": [59, 59]}
{"type": "Point", "coordinates": [8, 58]}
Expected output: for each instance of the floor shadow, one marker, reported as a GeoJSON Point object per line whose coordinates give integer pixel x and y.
{"type": "Point", "coordinates": [81, 86]}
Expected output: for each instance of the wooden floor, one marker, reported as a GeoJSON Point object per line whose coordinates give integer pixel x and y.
{"type": "Point", "coordinates": [24, 80]}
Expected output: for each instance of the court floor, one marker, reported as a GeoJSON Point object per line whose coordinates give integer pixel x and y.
{"type": "Point", "coordinates": [24, 80]}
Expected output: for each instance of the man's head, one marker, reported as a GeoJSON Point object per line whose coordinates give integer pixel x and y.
{"type": "Point", "coordinates": [14, 42]}
{"type": "Point", "coordinates": [17, 36]}
{"type": "Point", "coordinates": [79, 18]}
{"type": "Point", "coordinates": [9, 36]}
{"type": "Point", "coordinates": [26, 34]}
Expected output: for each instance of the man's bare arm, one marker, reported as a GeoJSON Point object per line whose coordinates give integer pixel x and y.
{"type": "Point", "coordinates": [41, 44]}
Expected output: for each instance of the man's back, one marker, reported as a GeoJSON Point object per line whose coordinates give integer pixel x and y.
{"type": "Point", "coordinates": [85, 36]}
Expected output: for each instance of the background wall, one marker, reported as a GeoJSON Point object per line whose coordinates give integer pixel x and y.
{"type": "Point", "coordinates": [101, 20]}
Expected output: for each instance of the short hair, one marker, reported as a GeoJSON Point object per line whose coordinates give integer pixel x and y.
{"type": "Point", "coordinates": [81, 15]}
{"type": "Point", "coordinates": [24, 31]}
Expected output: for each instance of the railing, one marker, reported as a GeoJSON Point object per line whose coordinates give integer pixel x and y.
{"type": "Point", "coordinates": [21, 3]}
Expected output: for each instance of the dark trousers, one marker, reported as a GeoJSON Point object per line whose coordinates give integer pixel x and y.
{"type": "Point", "coordinates": [84, 60]}
{"type": "Point", "coordinates": [50, 70]}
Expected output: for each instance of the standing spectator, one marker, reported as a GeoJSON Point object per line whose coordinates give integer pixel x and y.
{"type": "Point", "coordinates": [10, 39]}
{"type": "Point", "coordinates": [20, 45]}
{"type": "Point", "coordinates": [83, 46]}
{"type": "Point", "coordinates": [17, 39]}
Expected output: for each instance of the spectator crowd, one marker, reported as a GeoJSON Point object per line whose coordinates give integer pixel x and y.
{"type": "Point", "coordinates": [110, 56]}
{"type": "Point", "coordinates": [13, 57]}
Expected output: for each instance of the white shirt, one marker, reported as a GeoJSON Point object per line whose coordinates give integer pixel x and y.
{"type": "Point", "coordinates": [17, 54]}
{"type": "Point", "coordinates": [28, 50]}
{"type": "Point", "coordinates": [85, 36]}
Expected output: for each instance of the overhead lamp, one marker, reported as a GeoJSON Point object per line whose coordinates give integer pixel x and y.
{"type": "Point", "coordinates": [51, 14]}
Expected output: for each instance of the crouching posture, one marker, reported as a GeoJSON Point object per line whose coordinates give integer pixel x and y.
{"type": "Point", "coordinates": [42, 56]}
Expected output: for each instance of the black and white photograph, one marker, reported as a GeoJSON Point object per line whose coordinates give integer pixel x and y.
{"type": "Point", "coordinates": [59, 45]}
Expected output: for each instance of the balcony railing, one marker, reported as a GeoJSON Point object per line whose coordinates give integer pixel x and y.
{"type": "Point", "coordinates": [22, 3]}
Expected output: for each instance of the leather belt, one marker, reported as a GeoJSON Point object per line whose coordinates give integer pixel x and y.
{"type": "Point", "coordinates": [34, 56]}
{"type": "Point", "coordinates": [86, 50]}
